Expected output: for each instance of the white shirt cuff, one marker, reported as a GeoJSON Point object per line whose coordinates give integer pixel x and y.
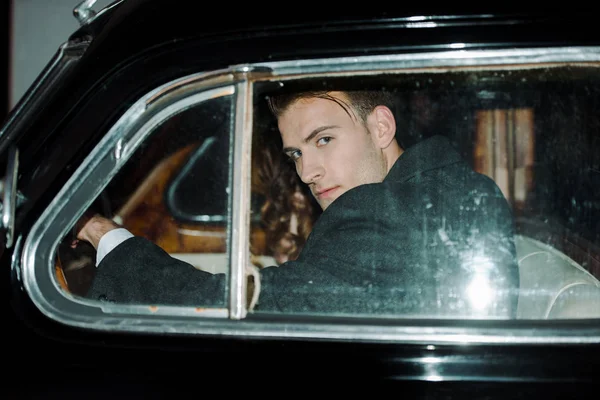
{"type": "Point", "coordinates": [109, 241]}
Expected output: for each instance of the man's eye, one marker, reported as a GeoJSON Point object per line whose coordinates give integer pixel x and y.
{"type": "Point", "coordinates": [324, 140]}
{"type": "Point", "coordinates": [294, 155]}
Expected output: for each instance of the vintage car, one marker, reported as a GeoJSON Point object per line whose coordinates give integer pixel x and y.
{"type": "Point", "coordinates": [154, 115]}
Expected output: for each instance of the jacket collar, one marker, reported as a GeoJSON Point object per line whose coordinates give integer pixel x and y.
{"type": "Point", "coordinates": [432, 153]}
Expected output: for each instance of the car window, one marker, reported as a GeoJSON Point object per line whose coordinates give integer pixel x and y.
{"type": "Point", "coordinates": [173, 190]}
{"type": "Point", "coordinates": [145, 172]}
{"type": "Point", "coordinates": [204, 175]}
{"type": "Point", "coordinates": [519, 127]}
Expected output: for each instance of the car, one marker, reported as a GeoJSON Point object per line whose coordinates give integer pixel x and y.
{"type": "Point", "coordinates": [154, 115]}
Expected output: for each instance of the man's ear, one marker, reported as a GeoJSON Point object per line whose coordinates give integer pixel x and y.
{"type": "Point", "coordinates": [383, 126]}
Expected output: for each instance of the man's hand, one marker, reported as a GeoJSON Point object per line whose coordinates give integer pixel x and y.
{"type": "Point", "coordinates": [91, 228]}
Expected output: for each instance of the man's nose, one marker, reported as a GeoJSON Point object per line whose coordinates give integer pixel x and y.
{"type": "Point", "coordinates": [312, 169]}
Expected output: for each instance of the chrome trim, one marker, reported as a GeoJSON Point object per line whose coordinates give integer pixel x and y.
{"type": "Point", "coordinates": [84, 13]}
{"type": "Point", "coordinates": [240, 232]}
{"type": "Point", "coordinates": [429, 62]}
{"type": "Point", "coordinates": [84, 186]}
{"type": "Point", "coordinates": [217, 78]}
{"type": "Point", "coordinates": [9, 198]}
{"type": "Point", "coordinates": [15, 266]}
{"type": "Point", "coordinates": [38, 94]}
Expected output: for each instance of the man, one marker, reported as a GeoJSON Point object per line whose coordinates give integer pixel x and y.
{"type": "Point", "coordinates": [404, 232]}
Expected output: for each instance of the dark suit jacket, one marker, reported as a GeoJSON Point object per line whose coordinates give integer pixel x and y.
{"type": "Point", "coordinates": [433, 239]}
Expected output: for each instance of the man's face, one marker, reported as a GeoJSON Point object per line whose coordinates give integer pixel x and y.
{"type": "Point", "coordinates": [333, 151]}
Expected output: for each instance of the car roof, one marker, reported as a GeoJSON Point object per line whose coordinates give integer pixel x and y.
{"type": "Point", "coordinates": [134, 26]}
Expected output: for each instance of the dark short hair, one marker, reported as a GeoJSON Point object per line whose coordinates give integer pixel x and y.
{"type": "Point", "coordinates": [363, 102]}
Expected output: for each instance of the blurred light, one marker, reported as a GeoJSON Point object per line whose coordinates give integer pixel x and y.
{"type": "Point", "coordinates": [431, 372]}
{"type": "Point", "coordinates": [426, 24]}
{"type": "Point", "coordinates": [479, 291]}
{"type": "Point", "coordinates": [457, 45]}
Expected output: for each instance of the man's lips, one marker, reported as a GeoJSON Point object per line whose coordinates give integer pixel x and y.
{"type": "Point", "coordinates": [324, 193]}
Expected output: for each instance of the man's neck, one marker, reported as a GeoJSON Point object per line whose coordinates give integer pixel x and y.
{"type": "Point", "coordinates": [392, 156]}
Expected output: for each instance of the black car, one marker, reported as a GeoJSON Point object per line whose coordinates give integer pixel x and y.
{"type": "Point", "coordinates": [150, 114]}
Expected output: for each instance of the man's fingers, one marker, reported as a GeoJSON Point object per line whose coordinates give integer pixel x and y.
{"type": "Point", "coordinates": [80, 225]}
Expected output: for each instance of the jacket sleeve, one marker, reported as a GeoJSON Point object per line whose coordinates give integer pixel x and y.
{"type": "Point", "coordinates": [138, 271]}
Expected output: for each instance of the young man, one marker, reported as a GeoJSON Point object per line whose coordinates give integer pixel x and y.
{"type": "Point", "coordinates": [404, 232]}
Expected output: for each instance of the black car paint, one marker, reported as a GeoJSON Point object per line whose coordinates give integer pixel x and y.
{"type": "Point", "coordinates": [124, 45]}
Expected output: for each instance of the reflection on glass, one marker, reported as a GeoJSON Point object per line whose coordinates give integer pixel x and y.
{"type": "Point", "coordinates": [534, 132]}
{"type": "Point", "coordinates": [173, 191]}
{"type": "Point", "coordinates": [480, 292]}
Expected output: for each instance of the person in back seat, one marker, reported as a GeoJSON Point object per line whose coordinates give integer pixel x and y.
{"type": "Point", "coordinates": [288, 212]}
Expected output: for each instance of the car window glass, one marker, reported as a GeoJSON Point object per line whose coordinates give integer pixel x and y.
{"type": "Point", "coordinates": [173, 191]}
{"type": "Point", "coordinates": [533, 132]}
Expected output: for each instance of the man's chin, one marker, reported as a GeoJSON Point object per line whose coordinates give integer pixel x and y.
{"type": "Point", "coordinates": [326, 203]}
{"type": "Point", "coordinates": [323, 204]}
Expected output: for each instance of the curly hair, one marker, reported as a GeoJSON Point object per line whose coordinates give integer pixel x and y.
{"type": "Point", "coordinates": [289, 210]}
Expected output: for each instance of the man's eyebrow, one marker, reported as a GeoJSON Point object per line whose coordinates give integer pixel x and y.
{"type": "Point", "coordinates": [311, 136]}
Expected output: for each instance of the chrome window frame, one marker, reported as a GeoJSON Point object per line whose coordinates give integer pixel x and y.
{"type": "Point", "coordinates": [238, 321]}
{"type": "Point", "coordinates": [96, 171]}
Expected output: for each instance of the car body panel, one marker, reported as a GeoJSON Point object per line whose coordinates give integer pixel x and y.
{"type": "Point", "coordinates": [90, 85]}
